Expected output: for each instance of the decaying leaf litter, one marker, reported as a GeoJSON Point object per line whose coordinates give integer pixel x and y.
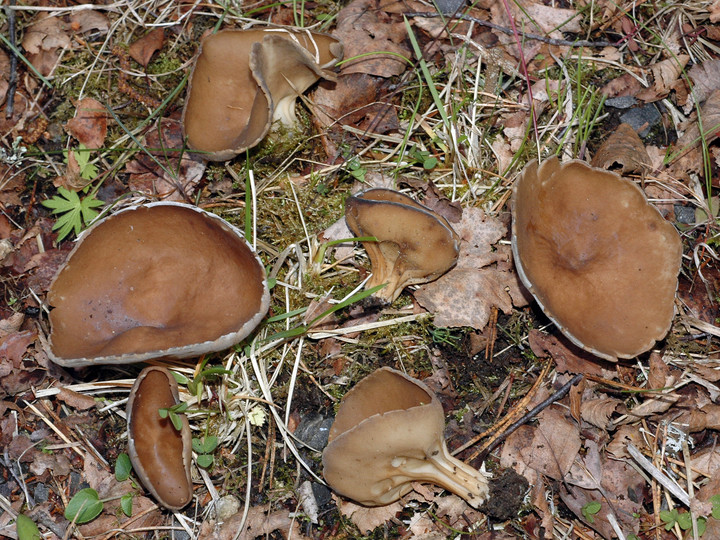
{"type": "Point", "coordinates": [93, 114]}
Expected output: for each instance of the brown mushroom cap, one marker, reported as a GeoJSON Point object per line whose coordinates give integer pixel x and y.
{"type": "Point", "coordinates": [415, 245]}
{"type": "Point", "coordinates": [238, 80]}
{"type": "Point", "coordinates": [165, 279]}
{"type": "Point", "coordinates": [160, 454]}
{"type": "Point", "coordinates": [387, 434]}
{"type": "Point", "coordinates": [599, 259]}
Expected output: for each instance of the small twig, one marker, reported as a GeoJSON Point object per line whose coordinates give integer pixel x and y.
{"type": "Point", "coordinates": [561, 393]}
{"type": "Point", "coordinates": [536, 37]}
{"type": "Point", "coordinates": [12, 81]}
{"type": "Point", "coordinates": [658, 475]}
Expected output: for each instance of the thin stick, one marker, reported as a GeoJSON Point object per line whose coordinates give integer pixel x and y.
{"type": "Point", "coordinates": [658, 475]}
{"type": "Point", "coordinates": [12, 82]}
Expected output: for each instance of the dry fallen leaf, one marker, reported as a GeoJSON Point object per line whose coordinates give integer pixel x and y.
{"type": "Point", "coordinates": [623, 146]}
{"type": "Point", "coordinates": [43, 41]}
{"type": "Point", "coordinates": [89, 125]}
{"type": "Point", "coordinates": [599, 411]}
{"type": "Point", "coordinates": [483, 278]}
{"type": "Point", "coordinates": [143, 49]}
{"type": "Point", "coordinates": [180, 176]}
{"type": "Point", "coordinates": [365, 29]}
{"type": "Point", "coordinates": [667, 72]}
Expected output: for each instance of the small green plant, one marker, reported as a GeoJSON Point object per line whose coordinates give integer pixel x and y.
{"type": "Point", "coordinates": [683, 520]}
{"type": "Point", "coordinates": [72, 211]}
{"type": "Point", "coordinates": [356, 170]}
{"type": "Point", "coordinates": [88, 171]}
{"type": "Point", "coordinates": [424, 158]}
{"type": "Point", "coordinates": [590, 509]}
{"type": "Point", "coordinates": [204, 448]}
{"type": "Point", "coordinates": [174, 413]}
{"type": "Point", "coordinates": [26, 528]}
{"type": "Point", "coordinates": [196, 385]}
{"type": "Point", "coordinates": [86, 504]}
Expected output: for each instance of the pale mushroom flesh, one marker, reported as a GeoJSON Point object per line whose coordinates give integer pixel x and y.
{"type": "Point", "coordinates": [159, 453]}
{"type": "Point", "coordinates": [414, 244]}
{"type": "Point", "coordinates": [600, 260]}
{"type": "Point", "coordinates": [388, 433]}
{"type": "Point", "coordinates": [165, 279]}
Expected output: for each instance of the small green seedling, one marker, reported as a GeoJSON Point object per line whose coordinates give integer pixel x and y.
{"type": "Point", "coordinates": [174, 413]}
{"type": "Point", "coordinates": [88, 171]}
{"type": "Point", "coordinates": [590, 509]}
{"type": "Point", "coordinates": [26, 528]}
{"type": "Point", "coordinates": [682, 519]}
{"type": "Point", "coordinates": [72, 211]}
{"type": "Point", "coordinates": [84, 506]}
{"type": "Point", "coordinates": [204, 449]}
{"type": "Point", "coordinates": [123, 467]}
{"type": "Point", "coordinates": [424, 158]}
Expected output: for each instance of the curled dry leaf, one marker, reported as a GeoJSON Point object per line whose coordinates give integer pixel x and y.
{"type": "Point", "coordinates": [143, 49]}
{"type": "Point", "coordinates": [89, 125]}
{"type": "Point", "coordinates": [624, 147]}
{"type": "Point", "coordinates": [710, 115]}
{"type": "Point", "coordinates": [88, 20]}
{"type": "Point", "coordinates": [667, 72]}
{"type": "Point", "coordinates": [482, 279]}
{"type": "Point", "coordinates": [43, 41]}
{"type": "Point", "coordinates": [598, 411]}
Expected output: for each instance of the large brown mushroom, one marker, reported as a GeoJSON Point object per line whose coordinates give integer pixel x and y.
{"type": "Point", "coordinates": [599, 259]}
{"type": "Point", "coordinates": [165, 279]}
{"type": "Point", "coordinates": [414, 244]}
{"type": "Point", "coordinates": [245, 79]}
{"type": "Point", "coordinates": [159, 453]}
{"type": "Point", "coordinates": [387, 434]}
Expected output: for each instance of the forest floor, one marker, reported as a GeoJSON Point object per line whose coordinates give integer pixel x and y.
{"type": "Point", "coordinates": [447, 103]}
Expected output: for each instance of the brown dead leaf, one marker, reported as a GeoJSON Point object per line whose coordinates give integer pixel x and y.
{"type": "Point", "coordinates": [710, 116]}
{"type": "Point", "coordinates": [43, 41]}
{"type": "Point", "coordinates": [599, 411]}
{"type": "Point", "coordinates": [624, 85]}
{"type": "Point", "coordinates": [89, 126]}
{"type": "Point", "coordinates": [367, 518]}
{"type": "Point", "coordinates": [550, 448]}
{"type": "Point", "coordinates": [365, 29]}
{"type": "Point", "coordinates": [12, 324]}
{"type": "Point", "coordinates": [181, 175]}
{"type": "Point", "coordinates": [624, 147]}
{"type": "Point", "coordinates": [88, 20]}
{"type": "Point", "coordinates": [629, 433]}
{"type": "Point", "coordinates": [667, 72]}
{"type": "Point", "coordinates": [617, 485]}
{"type": "Point", "coordinates": [13, 347]}
{"type": "Point", "coordinates": [568, 357]}
{"type": "Point", "coordinates": [705, 77]}
{"type": "Point", "coordinates": [76, 400]}
{"type": "Point", "coordinates": [143, 49]}
{"type": "Point", "coordinates": [483, 278]}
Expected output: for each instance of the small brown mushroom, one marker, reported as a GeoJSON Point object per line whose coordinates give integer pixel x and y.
{"type": "Point", "coordinates": [599, 259]}
{"type": "Point", "coordinates": [414, 244]}
{"type": "Point", "coordinates": [387, 434]}
{"type": "Point", "coordinates": [245, 79]}
{"type": "Point", "coordinates": [165, 279]}
{"type": "Point", "coordinates": [159, 453]}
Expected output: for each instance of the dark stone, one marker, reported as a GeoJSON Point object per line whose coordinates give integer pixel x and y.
{"type": "Point", "coordinates": [684, 214]}
{"type": "Point", "coordinates": [642, 119]}
{"type": "Point", "coordinates": [622, 102]}
{"type": "Point", "coordinates": [314, 431]}
{"type": "Point", "coordinates": [40, 493]}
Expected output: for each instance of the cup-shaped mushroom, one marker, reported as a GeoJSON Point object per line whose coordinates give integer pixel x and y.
{"type": "Point", "coordinates": [244, 79]}
{"type": "Point", "coordinates": [600, 260]}
{"type": "Point", "coordinates": [414, 244]}
{"type": "Point", "coordinates": [159, 453]}
{"type": "Point", "coordinates": [388, 433]}
{"type": "Point", "coordinates": [165, 279]}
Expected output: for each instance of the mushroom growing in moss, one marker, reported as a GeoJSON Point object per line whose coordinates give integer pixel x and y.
{"type": "Point", "coordinates": [387, 434]}
{"type": "Point", "coordinates": [414, 244]}
{"type": "Point", "coordinates": [244, 79]}
{"type": "Point", "coordinates": [599, 259]}
{"type": "Point", "coordinates": [165, 279]}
